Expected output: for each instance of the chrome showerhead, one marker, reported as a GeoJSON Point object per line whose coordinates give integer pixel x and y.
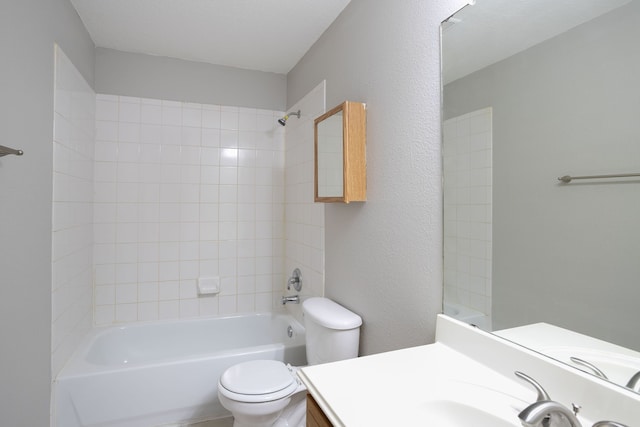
{"type": "Point", "coordinates": [283, 120]}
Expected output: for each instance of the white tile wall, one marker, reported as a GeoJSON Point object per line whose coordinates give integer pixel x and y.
{"type": "Point", "coordinates": [184, 191]}
{"type": "Point", "coordinates": [72, 252]}
{"type": "Point", "coordinates": [304, 219]}
{"type": "Point", "coordinates": [467, 157]}
{"type": "Point", "coordinates": [149, 195]}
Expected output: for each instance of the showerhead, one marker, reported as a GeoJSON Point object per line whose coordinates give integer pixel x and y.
{"type": "Point", "coordinates": [283, 120]}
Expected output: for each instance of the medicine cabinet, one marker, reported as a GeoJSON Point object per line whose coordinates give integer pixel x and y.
{"type": "Point", "coordinates": [340, 154]}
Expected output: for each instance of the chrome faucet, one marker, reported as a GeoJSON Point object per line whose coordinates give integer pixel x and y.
{"type": "Point", "coordinates": [542, 393]}
{"type": "Point", "coordinates": [634, 382]}
{"type": "Point", "coordinates": [545, 412]}
{"type": "Point", "coordinates": [295, 280]}
{"type": "Point", "coordinates": [597, 372]}
{"type": "Point", "coordinates": [295, 299]}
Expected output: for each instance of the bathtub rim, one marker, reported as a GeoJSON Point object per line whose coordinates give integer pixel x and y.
{"type": "Point", "coordinates": [467, 314]}
{"type": "Point", "coordinates": [77, 364]}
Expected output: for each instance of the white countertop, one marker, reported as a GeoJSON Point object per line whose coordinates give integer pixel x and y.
{"type": "Point", "coordinates": [399, 388]}
{"type": "Point", "coordinates": [392, 389]}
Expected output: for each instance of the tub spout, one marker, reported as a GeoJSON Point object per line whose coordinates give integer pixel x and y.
{"type": "Point", "coordinates": [293, 298]}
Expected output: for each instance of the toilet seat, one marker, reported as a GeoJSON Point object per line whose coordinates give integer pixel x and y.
{"type": "Point", "coordinates": [258, 381]}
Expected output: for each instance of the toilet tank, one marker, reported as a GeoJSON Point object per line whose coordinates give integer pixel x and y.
{"type": "Point", "coordinates": [332, 332]}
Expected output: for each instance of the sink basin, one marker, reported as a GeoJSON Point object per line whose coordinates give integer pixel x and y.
{"type": "Point", "coordinates": [450, 413]}
{"type": "Point", "coordinates": [456, 404]}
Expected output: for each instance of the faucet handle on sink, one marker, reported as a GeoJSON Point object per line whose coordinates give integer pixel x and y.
{"type": "Point", "coordinates": [634, 382]}
{"type": "Point", "coordinates": [544, 411]}
{"type": "Point", "coordinates": [597, 372]}
{"type": "Point", "coordinates": [542, 393]}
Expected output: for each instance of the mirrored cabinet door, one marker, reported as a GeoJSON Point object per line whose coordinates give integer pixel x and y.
{"type": "Point", "coordinates": [340, 154]}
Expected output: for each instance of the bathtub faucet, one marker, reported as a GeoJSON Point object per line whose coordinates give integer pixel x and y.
{"type": "Point", "coordinates": [293, 298]}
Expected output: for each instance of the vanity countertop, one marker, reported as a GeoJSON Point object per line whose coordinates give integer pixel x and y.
{"type": "Point", "coordinates": [402, 387]}
{"type": "Point", "coordinates": [369, 391]}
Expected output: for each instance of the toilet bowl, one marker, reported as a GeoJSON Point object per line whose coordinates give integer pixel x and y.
{"type": "Point", "coordinates": [257, 392]}
{"type": "Point", "coordinates": [268, 393]}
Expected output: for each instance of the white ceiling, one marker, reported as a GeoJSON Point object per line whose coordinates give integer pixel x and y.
{"type": "Point", "coordinates": [265, 35]}
{"type": "Point", "coordinates": [492, 30]}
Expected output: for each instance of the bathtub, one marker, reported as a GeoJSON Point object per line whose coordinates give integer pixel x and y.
{"type": "Point", "coordinates": [149, 374]}
{"type": "Point", "coordinates": [468, 315]}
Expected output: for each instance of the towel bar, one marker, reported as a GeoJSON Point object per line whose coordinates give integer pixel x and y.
{"type": "Point", "coordinates": [567, 179]}
{"type": "Point", "coordinates": [5, 151]}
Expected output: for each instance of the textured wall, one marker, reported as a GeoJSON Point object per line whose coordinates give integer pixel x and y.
{"type": "Point", "coordinates": [384, 257]}
{"type": "Point", "coordinates": [147, 76]}
{"type": "Point", "coordinates": [29, 30]}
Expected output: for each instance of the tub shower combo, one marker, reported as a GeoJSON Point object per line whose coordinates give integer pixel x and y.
{"type": "Point", "coordinates": [149, 374]}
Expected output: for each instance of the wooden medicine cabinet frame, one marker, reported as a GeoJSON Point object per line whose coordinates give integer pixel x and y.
{"type": "Point", "coordinates": [354, 161]}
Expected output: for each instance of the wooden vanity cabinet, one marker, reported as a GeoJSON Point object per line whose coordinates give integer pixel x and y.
{"type": "Point", "coordinates": [315, 416]}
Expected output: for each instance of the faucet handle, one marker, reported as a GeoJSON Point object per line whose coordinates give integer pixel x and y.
{"type": "Point", "coordinates": [542, 393]}
{"type": "Point", "coordinates": [547, 413]}
{"type": "Point", "coordinates": [295, 280]}
{"type": "Point", "coordinates": [597, 372]}
{"type": "Point", "coordinates": [634, 382]}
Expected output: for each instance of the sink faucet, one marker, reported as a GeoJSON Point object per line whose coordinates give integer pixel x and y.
{"type": "Point", "coordinates": [544, 412]}
{"type": "Point", "coordinates": [634, 382]}
{"type": "Point", "coordinates": [597, 372]}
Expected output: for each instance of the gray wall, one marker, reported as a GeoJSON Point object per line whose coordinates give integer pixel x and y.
{"type": "Point", "coordinates": [29, 29]}
{"type": "Point", "coordinates": [565, 254]}
{"type": "Point", "coordinates": [158, 77]}
{"type": "Point", "coordinates": [383, 258]}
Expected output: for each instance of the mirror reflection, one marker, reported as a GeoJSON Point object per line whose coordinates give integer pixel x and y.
{"type": "Point", "coordinates": [534, 91]}
{"type": "Point", "coordinates": [329, 156]}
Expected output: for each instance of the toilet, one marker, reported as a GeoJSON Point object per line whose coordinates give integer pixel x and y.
{"type": "Point", "coordinates": [268, 393]}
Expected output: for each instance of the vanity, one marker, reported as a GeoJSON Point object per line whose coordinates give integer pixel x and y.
{"type": "Point", "coordinates": [466, 378]}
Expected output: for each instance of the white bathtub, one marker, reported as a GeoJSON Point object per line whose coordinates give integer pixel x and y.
{"type": "Point", "coordinates": [143, 375]}
{"type": "Point", "coordinates": [468, 315]}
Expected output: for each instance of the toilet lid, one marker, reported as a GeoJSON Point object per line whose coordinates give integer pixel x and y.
{"type": "Point", "coordinates": [259, 380]}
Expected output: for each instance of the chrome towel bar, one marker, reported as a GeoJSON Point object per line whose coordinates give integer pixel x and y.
{"type": "Point", "coordinates": [4, 151]}
{"type": "Point", "coordinates": [567, 179]}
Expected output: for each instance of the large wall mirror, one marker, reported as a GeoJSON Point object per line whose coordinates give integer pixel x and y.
{"type": "Point", "coordinates": [535, 90]}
